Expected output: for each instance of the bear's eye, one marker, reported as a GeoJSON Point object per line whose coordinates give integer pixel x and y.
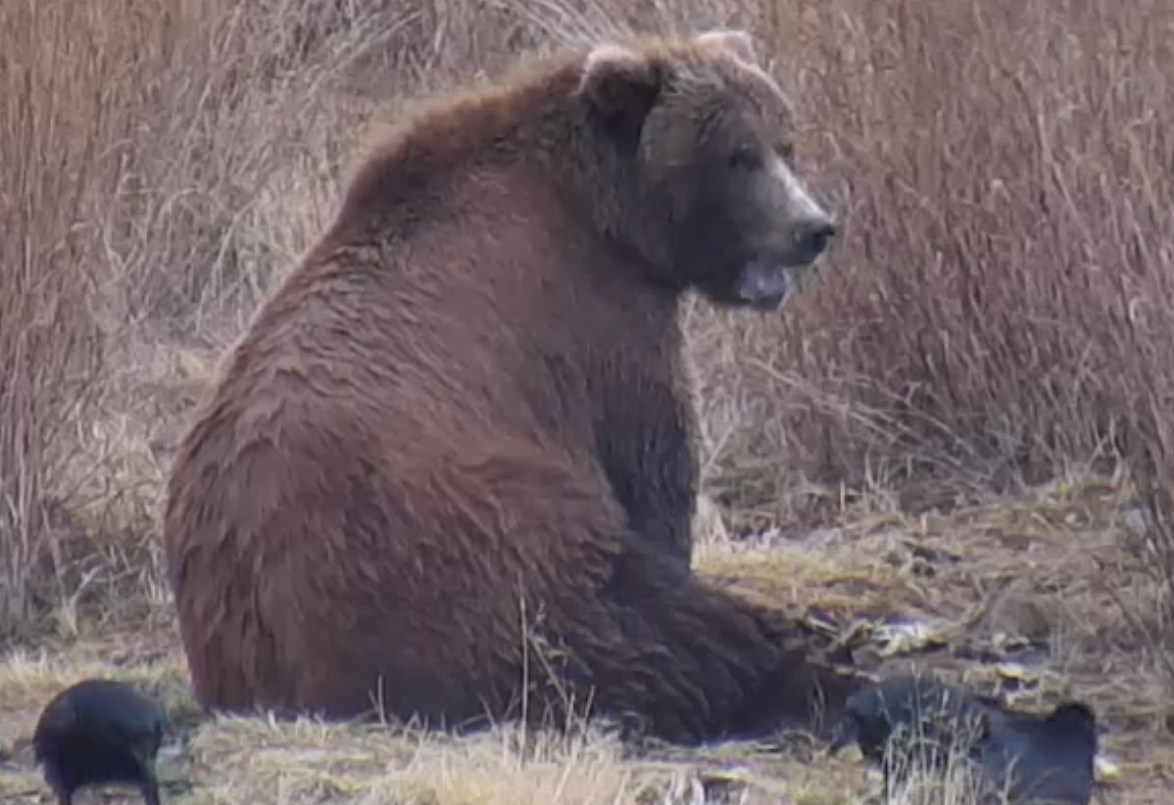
{"type": "Point", "coordinates": [745, 158]}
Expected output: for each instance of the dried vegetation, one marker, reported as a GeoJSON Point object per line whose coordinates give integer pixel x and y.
{"type": "Point", "coordinates": [967, 420]}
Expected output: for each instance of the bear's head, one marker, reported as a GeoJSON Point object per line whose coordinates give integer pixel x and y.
{"type": "Point", "coordinates": [702, 166]}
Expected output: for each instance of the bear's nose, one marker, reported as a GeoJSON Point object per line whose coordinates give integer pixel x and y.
{"type": "Point", "coordinates": [812, 237]}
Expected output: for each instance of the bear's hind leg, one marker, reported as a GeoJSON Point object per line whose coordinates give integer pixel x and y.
{"type": "Point", "coordinates": [693, 663]}
{"type": "Point", "coordinates": [634, 632]}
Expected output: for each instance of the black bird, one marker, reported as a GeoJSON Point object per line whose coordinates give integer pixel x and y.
{"type": "Point", "coordinates": [99, 732]}
{"type": "Point", "coordinates": [1046, 759]}
{"type": "Point", "coordinates": [908, 722]}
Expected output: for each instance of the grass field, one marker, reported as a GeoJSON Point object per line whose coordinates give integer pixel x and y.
{"type": "Point", "coordinates": [966, 422]}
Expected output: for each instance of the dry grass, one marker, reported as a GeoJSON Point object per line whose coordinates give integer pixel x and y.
{"type": "Point", "coordinates": [996, 316]}
{"type": "Point", "coordinates": [947, 571]}
{"type": "Point", "coordinates": [1006, 201]}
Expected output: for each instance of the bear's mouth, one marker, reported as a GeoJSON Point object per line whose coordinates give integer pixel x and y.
{"type": "Point", "coordinates": [765, 286]}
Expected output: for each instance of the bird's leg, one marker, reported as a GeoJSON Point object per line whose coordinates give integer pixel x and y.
{"type": "Point", "coordinates": [149, 784]}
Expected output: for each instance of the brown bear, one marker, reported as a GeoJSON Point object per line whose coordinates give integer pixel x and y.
{"type": "Point", "coordinates": [454, 451]}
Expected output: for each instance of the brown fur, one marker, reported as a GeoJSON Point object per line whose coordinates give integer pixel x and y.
{"type": "Point", "coordinates": [467, 409]}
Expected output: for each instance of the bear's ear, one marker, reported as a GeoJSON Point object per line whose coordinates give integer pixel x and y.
{"type": "Point", "coordinates": [736, 42]}
{"type": "Point", "coordinates": [620, 84]}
